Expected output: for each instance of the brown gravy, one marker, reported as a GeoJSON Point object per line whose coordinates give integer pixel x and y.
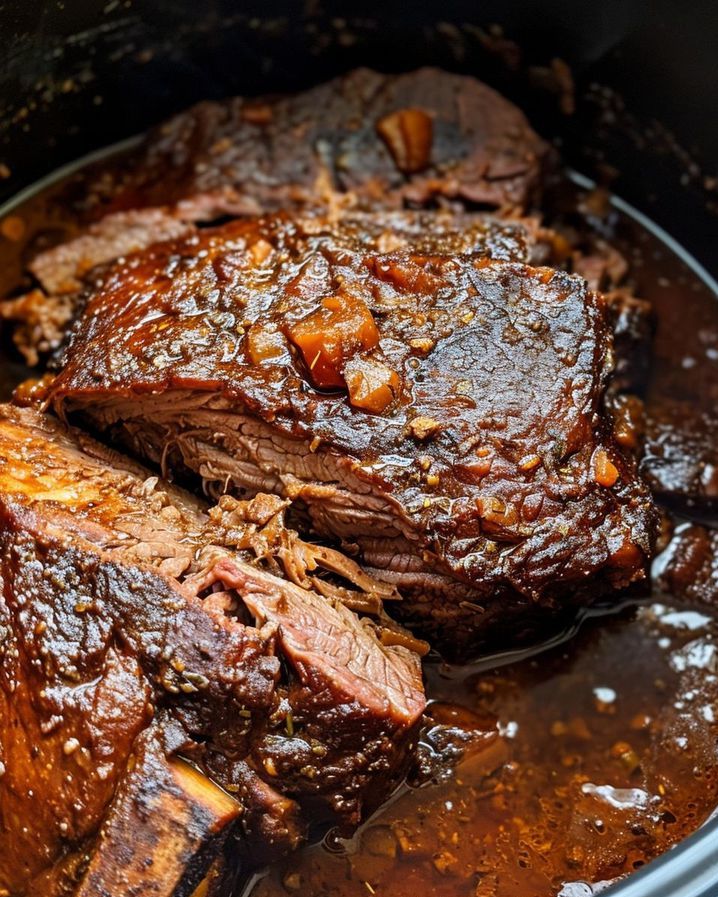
{"type": "Point", "coordinates": [607, 753]}
{"type": "Point", "coordinates": [594, 756]}
{"type": "Point", "coordinates": [606, 758]}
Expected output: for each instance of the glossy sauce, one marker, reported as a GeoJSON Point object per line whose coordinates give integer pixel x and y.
{"type": "Point", "coordinates": [586, 760]}
{"type": "Point", "coordinates": [605, 757]}
{"type": "Point", "coordinates": [607, 747]}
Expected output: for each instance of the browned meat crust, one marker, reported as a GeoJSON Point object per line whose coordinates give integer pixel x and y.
{"type": "Point", "coordinates": [490, 482]}
{"type": "Point", "coordinates": [42, 316]}
{"type": "Point", "coordinates": [688, 568]}
{"type": "Point", "coordinates": [681, 457]}
{"type": "Point", "coordinates": [125, 604]}
{"type": "Point", "coordinates": [387, 140]}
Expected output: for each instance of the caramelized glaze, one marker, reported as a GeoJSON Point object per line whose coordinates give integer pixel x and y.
{"type": "Point", "coordinates": [587, 760]}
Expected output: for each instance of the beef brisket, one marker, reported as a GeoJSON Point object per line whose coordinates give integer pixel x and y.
{"type": "Point", "coordinates": [138, 625]}
{"type": "Point", "coordinates": [440, 413]}
{"type": "Point", "coordinates": [42, 316]}
{"type": "Point", "coordinates": [362, 141]}
{"type": "Point", "coordinates": [383, 140]}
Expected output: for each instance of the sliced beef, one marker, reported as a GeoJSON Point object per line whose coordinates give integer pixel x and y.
{"type": "Point", "coordinates": [601, 264]}
{"type": "Point", "coordinates": [42, 316]}
{"type": "Point", "coordinates": [385, 139]}
{"type": "Point", "coordinates": [62, 269]}
{"type": "Point", "coordinates": [128, 611]}
{"type": "Point", "coordinates": [688, 568]}
{"type": "Point", "coordinates": [39, 322]}
{"type": "Point", "coordinates": [606, 270]}
{"type": "Point", "coordinates": [681, 456]}
{"type": "Point", "coordinates": [441, 415]}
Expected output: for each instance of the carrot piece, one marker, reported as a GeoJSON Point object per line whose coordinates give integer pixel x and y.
{"type": "Point", "coordinates": [408, 134]}
{"type": "Point", "coordinates": [331, 335]}
{"type": "Point", "coordinates": [372, 385]}
{"type": "Point", "coordinates": [605, 471]}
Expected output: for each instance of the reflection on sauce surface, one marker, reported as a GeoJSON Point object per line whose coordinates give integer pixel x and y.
{"type": "Point", "coordinates": [606, 748]}
{"type": "Point", "coordinates": [575, 766]}
{"type": "Point", "coordinates": [606, 757]}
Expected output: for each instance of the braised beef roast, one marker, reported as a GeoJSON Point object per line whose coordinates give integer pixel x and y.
{"type": "Point", "coordinates": [388, 351]}
{"type": "Point", "coordinates": [41, 317]}
{"type": "Point", "coordinates": [142, 633]}
{"type": "Point", "coordinates": [362, 141]}
{"type": "Point", "coordinates": [384, 140]}
{"type": "Point", "coordinates": [437, 411]}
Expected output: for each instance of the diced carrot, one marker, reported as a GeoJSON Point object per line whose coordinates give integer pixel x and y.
{"type": "Point", "coordinates": [605, 471]}
{"type": "Point", "coordinates": [411, 274]}
{"type": "Point", "coordinates": [372, 385]}
{"type": "Point", "coordinates": [408, 134]}
{"type": "Point", "coordinates": [331, 335]}
{"type": "Point", "coordinates": [529, 462]}
{"type": "Point", "coordinates": [257, 113]}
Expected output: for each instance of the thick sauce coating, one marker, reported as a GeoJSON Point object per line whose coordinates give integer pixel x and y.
{"type": "Point", "coordinates": [454, 400]}
{"type": "Point", "coordinates": [591, 759]}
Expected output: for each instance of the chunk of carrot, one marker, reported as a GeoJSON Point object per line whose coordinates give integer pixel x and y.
{"type": "Point", "coordinates": [328, 337]}
{"type": "Point", "coordinates": [372, 385]}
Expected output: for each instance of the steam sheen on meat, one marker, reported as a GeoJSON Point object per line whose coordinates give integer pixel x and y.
{"type": "Point", "coordinates": [138, 629]}
{"type": "Point", "coordinates": [436, 410]}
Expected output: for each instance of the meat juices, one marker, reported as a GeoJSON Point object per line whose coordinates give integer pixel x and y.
{"type": "Point", "coordinates": [158, 630]}
{"type": "Point", "coordinates": [442, 413]}
{"type": "Point", "coordinates": [321, 354]}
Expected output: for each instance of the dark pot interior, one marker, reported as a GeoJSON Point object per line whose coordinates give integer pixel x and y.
{"type": "Point", "coordinates": [78, 76]}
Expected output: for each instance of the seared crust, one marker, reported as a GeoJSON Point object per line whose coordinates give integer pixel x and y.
{"type": "Point", "coordinates": [460, 141]}
{"type": "Point", "coordinates": [125, 606]}
{"type": "Point", "coordinates": [494, 466]}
